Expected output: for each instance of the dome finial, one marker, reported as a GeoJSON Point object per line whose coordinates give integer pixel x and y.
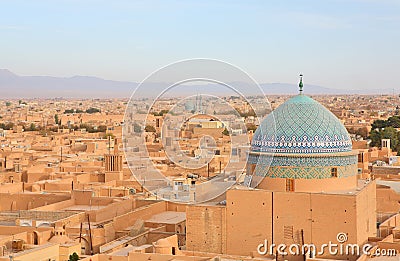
{"type": "Point", "coordinates": [301, 84]}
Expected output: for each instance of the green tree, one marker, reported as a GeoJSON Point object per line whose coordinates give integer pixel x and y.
{"type": "Point", "coordinates": [56, 120]}
{"type": "Point", "coordinates": [32, 127]}
{"type": "Point", "coordinates": [394, 122]}
{"type": "Point", "coordinates": [225, 132]}
{"type": "Point", "coordinates": [363, 132]}
{"type": "Point", "coordinates": [7, 126]}
{"type": "Point", "coordinates": [376, 137]}
{"type": "Point", "coordinates": [379, 124]}
{"type": "Point", "coordinates": [69, 111]}
{"type": "Point", "coordinates": [385, 129]}
{"type": "Point", "coordinates": [391, 133]}
{"type": "Point", "coordinates": [251, 126]}
{"type": "Point", "coordinates": [92, 110]}
{"type": "Point", "coordinates": [102, 128]}
{"type": "Point", "coordinates": [109, 135]}
{"type": "Point", "coordinates": [73, 257]}
{"type": "Point", "coordinates": [160, 113]}
{"type": "Point", "coordinates": [150, 128]}
{"type": "Point", "coordinates": [8, 104]}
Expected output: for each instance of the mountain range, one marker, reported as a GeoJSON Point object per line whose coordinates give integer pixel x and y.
{"type": "Point", "coordinates": [16, 86]}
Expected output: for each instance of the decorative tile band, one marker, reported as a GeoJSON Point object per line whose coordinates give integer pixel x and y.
{"type": "Point", "coordinates": [302, 161]}
{"type": "Point", "coordinates": [302, 168]}
{"type": "Point", "coordinates": [305, 172]}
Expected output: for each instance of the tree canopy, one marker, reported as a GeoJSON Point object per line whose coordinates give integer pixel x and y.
{"type": "Point", "coordinates": [393, 121]}
{"type": "Point", "coordinates": [386, 129]}
{"type": "Point", "coordinates": [150, 128]}
{"type": "Point", "coordinates": [73, 257]}
{"type": "Point", "coordinates": [92, 110]}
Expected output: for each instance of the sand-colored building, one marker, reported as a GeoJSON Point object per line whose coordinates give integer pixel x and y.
{"type": "Point", "coordinates": [70, 190]}
{"type": "Point", "coordinates": [305, 172]}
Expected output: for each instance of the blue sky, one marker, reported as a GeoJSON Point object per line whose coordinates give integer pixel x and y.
{"type": "Point", "coordinates": [335, 43]}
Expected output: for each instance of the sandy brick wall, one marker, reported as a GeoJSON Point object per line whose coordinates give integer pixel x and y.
{"type": "Point", "coordinates": [205, 230]}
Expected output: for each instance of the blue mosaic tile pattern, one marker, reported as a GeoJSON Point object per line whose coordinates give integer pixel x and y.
{"type": "Point", "coordinates": [301, 125]}
{"type": "Point", "coordinates": [305, 172]}
{"type": "Point", "coordinates": [303, 167]}
{"type": "Point", "coordinates": [302, 161]}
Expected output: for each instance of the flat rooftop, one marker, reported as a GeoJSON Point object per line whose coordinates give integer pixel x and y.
{"type": "Point", "coordinates": [33, 249]}
{"type": "Point", "coordinates": [125, 251]}
{"type": "Point", "coordinates": [83, 208]}
{"type": "Point", "coordinates": [393, 184]}
{"type": "Point", "coordinates": [361, 184]}
{"type": "Point", "coordinates": [167, 217]}
{"type": "Point", "coordinates": [115, 243]}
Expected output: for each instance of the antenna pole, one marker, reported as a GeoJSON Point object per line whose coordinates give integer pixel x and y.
{"type": "Point", "coordinates": [301, 84]}
{"type": "Point", "coordinates": [109, 145]}
{"type": "Point", "coordinates": [90, 236]}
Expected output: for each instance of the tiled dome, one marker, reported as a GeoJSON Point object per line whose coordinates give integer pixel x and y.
{"type": "Point", "coordinates": [301, 125]}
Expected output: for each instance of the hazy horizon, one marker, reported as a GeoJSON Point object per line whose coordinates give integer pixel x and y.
{"type": "Point", "coordinates": [84, 87]}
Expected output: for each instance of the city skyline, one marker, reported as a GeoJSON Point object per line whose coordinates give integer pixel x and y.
{"type": "Point", "coordinates": [47, 87]}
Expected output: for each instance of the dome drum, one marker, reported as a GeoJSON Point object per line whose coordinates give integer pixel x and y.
{"type": "Point", "coordinates": [313, 167]}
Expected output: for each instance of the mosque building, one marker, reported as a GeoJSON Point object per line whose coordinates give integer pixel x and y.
{"type": "Point", "coordinates": [305, 189]}
{"type": "Point", "coordinates": [302, 146]}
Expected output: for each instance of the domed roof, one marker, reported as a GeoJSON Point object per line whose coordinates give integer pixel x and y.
{"type": "Point", "coordinates": [163, 242]}
{"type": "Point", "coordinates": [301, 125]}
{"type": "Point", "coordinates": [60, 239]}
